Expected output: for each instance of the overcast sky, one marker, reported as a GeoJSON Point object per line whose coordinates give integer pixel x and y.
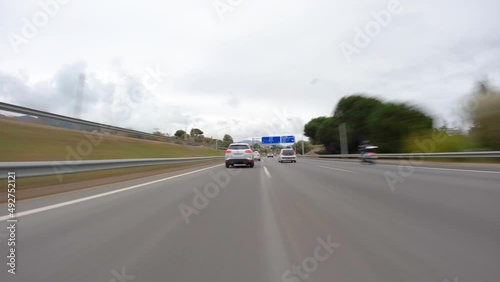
{"type": "Point", "coordinates": [247, 68]}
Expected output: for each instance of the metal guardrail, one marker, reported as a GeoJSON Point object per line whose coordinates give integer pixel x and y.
{"type": "Point", "coordinates": [27, 169]}
{"type": "Point", "coordinates": [485, 154]}
{"type": "Point", "coordinates": [38, 113]}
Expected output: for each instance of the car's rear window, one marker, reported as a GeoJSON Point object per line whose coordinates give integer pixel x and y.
{"type": "Point", "coordinates": [287, 152]}
{"type": "Point", "coordinates": [239, 147]}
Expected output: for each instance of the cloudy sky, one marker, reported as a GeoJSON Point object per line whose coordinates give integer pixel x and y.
{"type": "Point", "coordinates": [247, 68]}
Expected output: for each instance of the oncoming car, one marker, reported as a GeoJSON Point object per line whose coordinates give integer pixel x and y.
{"type": "Point", "coordinates": [239, 153]}
{"type": "Point", "coordinates": [287, 155]}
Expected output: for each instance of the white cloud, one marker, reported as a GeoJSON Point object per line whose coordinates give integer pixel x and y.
{"type": "Point", "coordinates": [238, 72]}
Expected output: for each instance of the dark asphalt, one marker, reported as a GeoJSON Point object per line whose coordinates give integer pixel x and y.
{"type": "Point", "coordinates": [313, 220]}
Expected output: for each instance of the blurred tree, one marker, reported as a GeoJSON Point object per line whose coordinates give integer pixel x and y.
{"type": "Point", "coordinates": [386, 125]}
{"type": "Point", "coordinates": [355, 111]}
{"type": "Point", "coordinates": [196, 132]}
{"type": "Point", "coordinates": [180, 133]}
{"type": "Point", "coordinates": [226, 141]}
{"type": "Point", "coordinates": [228, 138]}
{"type": "Point", "coordinates": [307, 147]}
{"type": "Point", "coordinates": [276, 148]}
{"type": "Point", "coordinates": [256, 147]}
{"type": "Point", "coordinates": [485, 115]}
{"type": "Point", "coordinates": [328, 135]}
{"type": "Point", "coordinates": [158, 133]}
{"type": "Point", "coordinates": [311, 129]}
{"type": "Point", "coordinates": [393, 123]}
{"type": "Point", "coordinates": [355, 107]}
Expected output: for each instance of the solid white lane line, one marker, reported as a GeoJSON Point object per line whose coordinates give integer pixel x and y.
{"type": "Point", "coordinates": [267, 172]}
{"type": "Point", "coordinates": [345, 170]}
{"type": "Point", "coordinates": [54, 206]}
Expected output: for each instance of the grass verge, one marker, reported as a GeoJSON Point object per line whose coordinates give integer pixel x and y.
{"type": "Point", "coordinates": [27, 141]}
{"type": "Point", "coordinates": [38, 186]}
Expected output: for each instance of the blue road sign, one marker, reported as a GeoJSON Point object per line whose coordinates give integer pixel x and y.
{"type": "Point", "coordinates": [270, 140]}
{"type": "Point", "coordinates": [287, 139]}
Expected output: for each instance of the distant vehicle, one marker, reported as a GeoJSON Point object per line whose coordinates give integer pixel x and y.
{"type": "Point", "coordinates": [239, 153]}
{"type": "Point", "coordinates": [368, 154]}
{"type": "Point", "coordinates": [270, 155]}
{"type": "Point", "coordinates": [256, 156]}
{"type": "Point", "coordinates": [287, 155]}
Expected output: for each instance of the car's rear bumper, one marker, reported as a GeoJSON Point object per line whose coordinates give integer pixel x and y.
{"type": "Point", "coordinates": [239, 161]}
{"type": "Point", "coordinates": [288, 159]}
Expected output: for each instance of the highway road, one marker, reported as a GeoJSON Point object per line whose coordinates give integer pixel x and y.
{"type": "Point", "coordinates": [314, 220]}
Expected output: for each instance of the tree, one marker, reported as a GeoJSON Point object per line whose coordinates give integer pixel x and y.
{"type": "Point", "coordinates": [180, 133]}
{"type": "Point", "coordinates": [307, 147]}
{"type": "Point", "coordinates": [275, 148]}
{"type": "Point", "coordinates": [311, 129]}
{"type": "Point", "coordinates": [328, 135]}
{"type": "Point", "coordinates": [158, 133]}
{"type": "Point", "coordinates": [227, 138]}
{"type": "Point", "coordinates": [355, 111]}
{"type": "Point", "coordinates": [226, 141]}
{"type": "Point", "coordinates": [485, 115]}
{"type": "Point", "coordinates": [394, 122]}
{"type": "Point", "coordinates": [196, 132]}
{"type": "Point", "coordinates": [386, 125]}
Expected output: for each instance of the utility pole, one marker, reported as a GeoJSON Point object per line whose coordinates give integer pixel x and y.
{"type": "Point", "coordinates": [79, 95]}
{"type": "Point", "coordinates": [343, 139]}
{"type": "Point", "coordinates": [302, 144]}
{"type": "Point", "coordinates": [344, 150]}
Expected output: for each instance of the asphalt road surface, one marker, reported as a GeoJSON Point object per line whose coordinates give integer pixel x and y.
{"type": "Point", "coordinates": [312, 220]}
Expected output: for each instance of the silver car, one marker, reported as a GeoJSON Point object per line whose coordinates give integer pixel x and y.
{"type": "Point", "coordinates": [287, 155]}
{"type": "Point", "coordinates": [239, 153]}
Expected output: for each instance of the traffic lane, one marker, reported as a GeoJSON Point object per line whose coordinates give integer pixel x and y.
{"type": "Point", "coordinates": [307, 233]}
{"type": "Point", "coordinates": [420, 235]}
{"type": "Point", "coordinates": [363, 254]}
{"type": "Point", "coordinates": [303, 234]}
{"type": "Point", "coordinates": [75, 227]}
{"type": "Point", "coordinates": [89, 239]}
{"type": "Point", "coordinates": [471, 195]}
{"type": "Point", "coordinates": [223, 243]}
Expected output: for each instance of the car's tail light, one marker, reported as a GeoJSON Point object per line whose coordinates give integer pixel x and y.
{"type": "Point", "coordinates": [248, 151]}
{"type": "Point", "coordinates": [228, 151]}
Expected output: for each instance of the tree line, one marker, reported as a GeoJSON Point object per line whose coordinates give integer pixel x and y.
{"type": "Point", "coordinates": [197, 135]}
{"type": "Point", "coordinates": [398, 127]}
